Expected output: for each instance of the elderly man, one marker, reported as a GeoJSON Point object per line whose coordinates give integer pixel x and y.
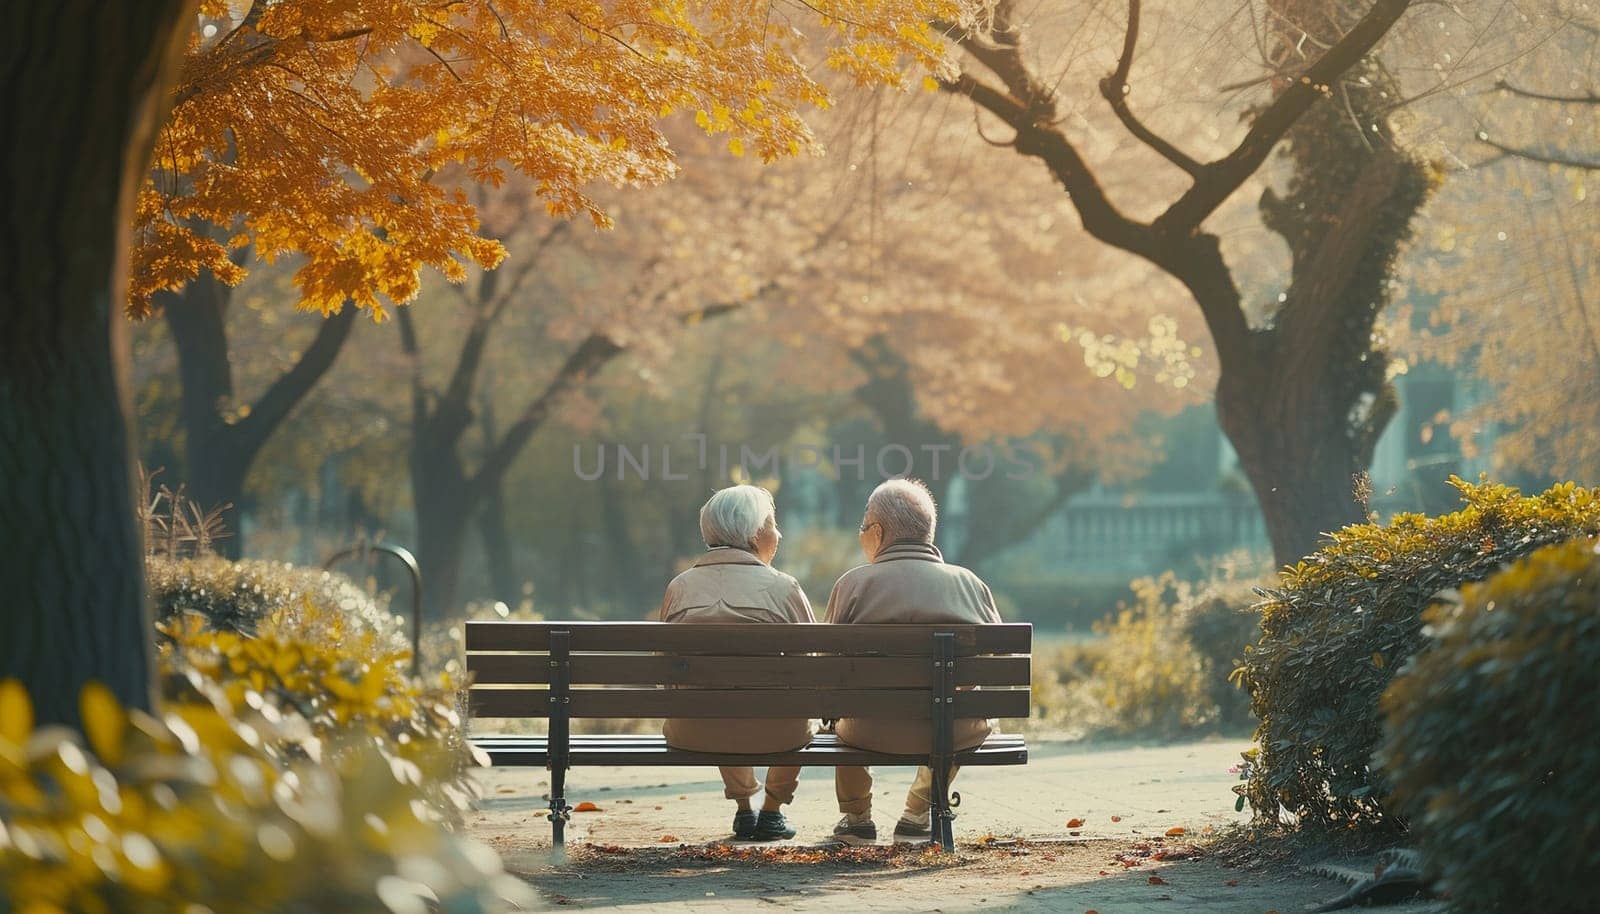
{"type": "Point", "coordinates": [735, 582]}
{"type": "Point", "coordinates": [907, 581]}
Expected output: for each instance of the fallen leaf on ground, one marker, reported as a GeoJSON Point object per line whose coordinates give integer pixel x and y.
{"type": "Point", "coordinates": [1157, 880]}
{"type": "Point", "coordinates": [1232, 883]}
{"type": "Point", "coordinates": [1074, 823]}
{"type": "Point", "coordinates": [1116, 818]}
{"type": "Point", "coordinates": [1175, 831]}
{"type": "Point", "coordinates": [668, 839]}
{"type": "Point", "coordinates": [586, 806]}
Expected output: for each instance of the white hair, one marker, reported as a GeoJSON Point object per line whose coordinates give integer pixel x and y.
{"type": "Point", "coordinates": [905, 509]}
{"type": "Point", "coordinates": [733, 516]}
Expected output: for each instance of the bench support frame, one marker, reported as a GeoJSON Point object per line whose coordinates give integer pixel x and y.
{"type": "Point", "coordinates": [943, 750]}
{"type": "Point", "coordinates": [560, 732]}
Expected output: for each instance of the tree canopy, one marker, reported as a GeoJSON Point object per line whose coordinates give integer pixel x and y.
{"type": "Point", "coordinates": [346, 131]}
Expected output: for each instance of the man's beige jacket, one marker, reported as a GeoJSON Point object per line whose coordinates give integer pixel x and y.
{"type": "Point", "coordinates": [910, 583]}
{"type": "Point", "coordinates": [732, 585]}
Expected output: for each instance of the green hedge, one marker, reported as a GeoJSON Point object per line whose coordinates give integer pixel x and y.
{"type": "Point", "coordinates": [1344, 619]}
{"type": "Point", "coordinates": [342, 683]}
{"type": "Point", "coordinates": [1492, 745]}
{"type": "Point", "coordinates": [236, 596]}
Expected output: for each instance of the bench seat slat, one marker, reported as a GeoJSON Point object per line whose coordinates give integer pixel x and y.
{"type": "Point", "coordinates": [905, 704]}
{"type": "Point", "coordinates": [908, 640]}
{"type": "Point", "coordinates": [748, 672]}
{"type": "Point", "coordinates": [825, 750]}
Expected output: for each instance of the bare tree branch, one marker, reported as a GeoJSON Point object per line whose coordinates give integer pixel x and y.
{"type": "Point", "coordinates": [583, 363]}
{"type": "Point", "coordinates": [1038, 138]}
{"type": "Point", "coordinates": [1220, 178]}
{"type": "Point", "coordinates": [1587, 98]}
{"type": "Point", "coordinates": [1115, 90]}
{"type": "Point", "coordinates": [280, 399]}
{"type": "Point", "coordinates": [1548, 158]}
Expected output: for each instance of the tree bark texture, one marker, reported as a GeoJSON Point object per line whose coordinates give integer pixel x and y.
{"type": "Point", "coordinates": [83, 96]}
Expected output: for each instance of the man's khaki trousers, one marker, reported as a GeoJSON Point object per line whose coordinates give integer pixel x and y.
{"type": "Point", "coordinates": [853, 785]}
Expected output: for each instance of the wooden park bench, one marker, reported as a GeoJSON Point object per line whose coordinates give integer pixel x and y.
{"type": "Point", "coordinates": [562, 671]}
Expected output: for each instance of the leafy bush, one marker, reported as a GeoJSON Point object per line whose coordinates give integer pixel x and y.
{"type": "Point", "coordinates": [198, 810]}
{"type": "Point", "coordinates": [1347, 616]}
{"type": "Point", "coordinates": [1219, 627]}
{"type": "Point", "coordinates": [236, 596]}
{"type": "Point", "coordinates": [1147, 679]}
{"type": "Point", "coordinates": [1490, 744]}
{"type": "Point", "coordinates": [1060, 671]}
{"type": "Point", "coordinates": [338, 679]}
{"type": "Point", "coordinates": [1163, 664]}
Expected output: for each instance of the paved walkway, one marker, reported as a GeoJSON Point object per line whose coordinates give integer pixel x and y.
{"type": "Point", "coordinates": [652, 845]}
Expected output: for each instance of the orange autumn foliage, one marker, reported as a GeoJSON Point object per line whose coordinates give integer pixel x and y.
{"type": "Point", "coordinates": [344, 132]}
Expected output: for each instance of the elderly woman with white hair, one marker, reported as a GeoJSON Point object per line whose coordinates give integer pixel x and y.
{"type": "Point", "coordinates": [735, 582]}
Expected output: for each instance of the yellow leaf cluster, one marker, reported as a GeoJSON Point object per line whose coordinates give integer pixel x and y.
{"type": "Point", "coordinates": [197, 808]}
{"type": "Point", "coordinates": [343, 132]}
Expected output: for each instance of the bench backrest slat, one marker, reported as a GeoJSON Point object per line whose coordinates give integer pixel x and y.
{"type": "Point", "coordinates": [749, 640]}
{"type": "Point", "coordinates": [749, 672]}
{"type": "Point", "coordinates": [902, 704]}
{"type": "Point", "coordinates": [656, 670]}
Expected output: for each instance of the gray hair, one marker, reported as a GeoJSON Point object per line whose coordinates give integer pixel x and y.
{"type": "Point", "coordinates": [733, 516]}
{"type": "Point", "coordinates": [905, 509]}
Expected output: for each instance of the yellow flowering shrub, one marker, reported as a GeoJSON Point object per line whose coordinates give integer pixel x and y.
{"type": "Point", "coordinates": [1162, 667]}
{"type": "Point", "coordinates": [1490, 737]}
{"type": "Point", "coordinates": [199, 810]}
{"type": "Point", "coordinates": [339, 679]}
{"type": "Point", "coordinates": [1341, 623]}
{"type": "Point", "coordinates": [234, 596]}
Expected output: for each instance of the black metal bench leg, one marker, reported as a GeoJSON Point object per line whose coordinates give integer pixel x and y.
{"type": "Point", "coordinates": [941, 814]}
{"type": "Point", "coordinates": [939, 761]}
{"type": "Point", "coordinates": [560, 812]}
{"type": "Point", "coordinates": [560, 734]}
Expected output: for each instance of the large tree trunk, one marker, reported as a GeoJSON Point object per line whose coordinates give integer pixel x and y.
{"type": "Point", "coordinates": [627, 587]}
{"type": "Point", "coordinates": [1315, 362]}
{"type": "Point", "coordinates": [1302, 466]}
{"type": "Point", "coordinates": [442, 523]}
{"type": "Point", "coordinates": [71, 562]}
{"type": "Point", "coordinates": [492, 528]}
{"type": "Point", "coordinates": [214, 471]}
{"type": "Point", "coordinates": [218, 449]}
{"type": "Point", "coordinates": [1307, 430]}
{"type": "Point", "coordinates": [443, 501]}
{"type": "Point", "coordinates": [446, 497]}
